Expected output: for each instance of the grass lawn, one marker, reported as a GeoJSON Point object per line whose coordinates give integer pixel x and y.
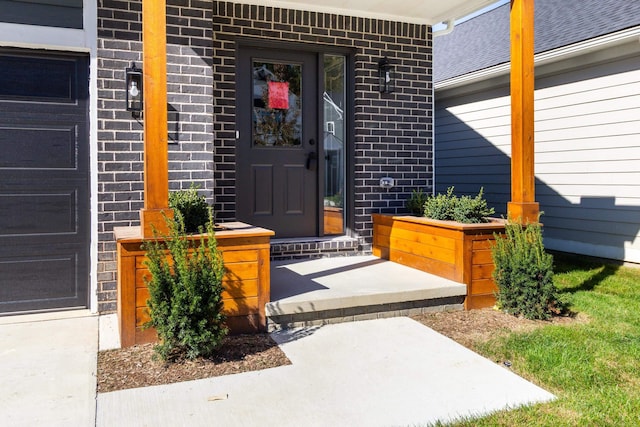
{"type": "Point", "coordinates": [593, 366]}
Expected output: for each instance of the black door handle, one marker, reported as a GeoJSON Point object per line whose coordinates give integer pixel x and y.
{"type": "Point", "coordinates": [311, 156]}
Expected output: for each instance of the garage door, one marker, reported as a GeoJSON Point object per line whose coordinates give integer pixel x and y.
{"type": "Point", "coordinates": [44, 182]}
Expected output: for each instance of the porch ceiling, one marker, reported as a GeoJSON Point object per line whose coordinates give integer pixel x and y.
{"type": "Point", "coordinates": [428, 12]}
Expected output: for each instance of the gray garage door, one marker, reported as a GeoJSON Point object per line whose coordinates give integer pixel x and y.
{"type": "Point", "coordinates": [44, 182]}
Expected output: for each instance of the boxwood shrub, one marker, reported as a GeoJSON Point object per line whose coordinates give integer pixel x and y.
{"type": "Point", "coordinates": [464, 209]}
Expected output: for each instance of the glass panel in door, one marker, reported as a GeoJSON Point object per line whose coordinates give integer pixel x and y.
{"type": "Point", "coordinates": [277, 104]}
{"type": "Point", "coordinates": [334, 143]}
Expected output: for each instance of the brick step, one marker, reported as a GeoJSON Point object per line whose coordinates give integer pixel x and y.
{"type": "Point", "coordinates": [314, 247]}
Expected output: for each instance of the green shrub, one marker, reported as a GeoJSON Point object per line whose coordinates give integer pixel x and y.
{"type": "Point", "coordinates": [524, 273]}
{"type": "Point", "coordinates": [465, 209]}
{"type": "Point", "coordinates": [415, 203]}
{"type": "Point", "coordinates": [336, 200]}
{"type": "Point", "coordinates": [185, 293]}
{"type": "Point", "coordinates": [191, 207]}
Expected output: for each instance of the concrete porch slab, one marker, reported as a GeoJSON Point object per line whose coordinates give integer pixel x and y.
{"type": "Point", "coordinates": [340, 283]}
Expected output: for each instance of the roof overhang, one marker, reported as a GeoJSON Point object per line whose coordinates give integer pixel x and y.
{"type": "Point", "coordinates": [425, 12]}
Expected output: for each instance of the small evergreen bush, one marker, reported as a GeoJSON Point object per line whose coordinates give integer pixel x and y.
{"type": "Point", "coordinates": [524, 273]}
{"type": "Point", "coordinates": [465, 209]}
{"type": "Point", "coordinates": [191, 207]}
{"type": "Point", "coordinates": [185, 293]}
{"type": "Point", "coordinates": [415, 203]}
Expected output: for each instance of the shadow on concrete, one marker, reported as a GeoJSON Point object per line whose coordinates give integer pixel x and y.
{"type": "Point", "coordinates": [286, 282]}
{"type": "Point", "coordinates": [283, 336]}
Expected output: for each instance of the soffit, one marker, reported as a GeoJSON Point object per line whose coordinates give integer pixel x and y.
{"type": "Point", "coordinates": [426, 12]}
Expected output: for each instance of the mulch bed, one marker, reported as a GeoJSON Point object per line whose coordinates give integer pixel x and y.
{"type": "Point", "coordinates": [474, 326]}
{"type": "Point", "coordinates": [135, 366]}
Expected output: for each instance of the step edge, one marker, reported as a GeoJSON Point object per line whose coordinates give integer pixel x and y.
{"type": "Point", "coordinates": [275, 308]}
{"type": "Point", "coordinates": [367, 313]}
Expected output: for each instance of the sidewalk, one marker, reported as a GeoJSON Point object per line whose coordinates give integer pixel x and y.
{"type": "Point", "coordinates": [48, 369]}
{"type": "Point", "coordinates": [385, 372]}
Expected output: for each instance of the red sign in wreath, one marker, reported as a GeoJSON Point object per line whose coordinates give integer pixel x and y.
{"type": "Point", "coordinates": [279, 95]}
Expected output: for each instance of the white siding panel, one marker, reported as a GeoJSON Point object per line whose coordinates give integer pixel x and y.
{"type": "Point", "coordinates": [480, 123]}
{"type": "Point", "coordinates": [620, 203]}
{"type": "Point", "coordinates": [626, 252]}
{"type": "Point", "coordinates": [595, 179]}
{"type": "Point", "coordinates": [598, 144]}
{"type": "Point", "coordinates": [459, 131]}
{"type": "Point", "coordinates": [587, 131]}
{"type": "Point", "coordinates": [578, 155]}
{"type": "Point", "coordinates": [619, 215]}
{"type": "Point", "coordinates": [470, 152]}
{"type": "Point", "coordinates": [501, 113]}
{"type": "Point", "coordinates": [629, 191]}
{"type": "Point", "coordinates": [583, 107]}
{"type": "Point", "coordinates": [449, 143]}
{"type": "Point", "coordinates": [602, 85]}
{"type": "Point", "coordinates": [602, 231]}
{"type": "Point", "coordinates": [597, 166]}
{"type": "Point", "coordinates": [587, 134]}
{"type": "Point", "coordinates": [624, 119]}
{"type": "Point", "coordinates": [499, 98]}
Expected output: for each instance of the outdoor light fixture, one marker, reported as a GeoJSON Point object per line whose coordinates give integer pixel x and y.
{"type": "Point", "coordinates": [134, 89]}
{"type": "Point", "coordinates": [385, 75]}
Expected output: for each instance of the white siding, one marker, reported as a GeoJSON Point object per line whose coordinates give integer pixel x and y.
{"type": "Point", "coordinates": [587, 132]}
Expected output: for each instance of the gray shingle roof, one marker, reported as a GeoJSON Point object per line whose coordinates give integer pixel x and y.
{"type": "Point", "coordinates": [483, 41]}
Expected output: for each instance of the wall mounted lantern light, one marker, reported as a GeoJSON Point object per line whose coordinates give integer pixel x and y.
{"type": "Point", "coordinates": [385, 76]}
{"type": "Point", "coordinates": [134, 89]}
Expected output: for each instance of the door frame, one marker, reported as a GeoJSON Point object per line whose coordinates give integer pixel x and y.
{"type": "Point", "coordinates": [243, 43]}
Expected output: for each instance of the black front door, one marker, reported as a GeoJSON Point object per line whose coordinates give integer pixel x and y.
{"type": "Point", "coordinates": [44, 181]}
{"type": "Point", "coordinates": [276, 145]}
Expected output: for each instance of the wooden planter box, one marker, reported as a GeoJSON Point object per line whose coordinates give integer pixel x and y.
{"type": "Point", "coordinates": [245, 251]}
{"type": "Point", "coordinates": [455, 251]}
{"type": "Point", "coordinates": [333, 220]}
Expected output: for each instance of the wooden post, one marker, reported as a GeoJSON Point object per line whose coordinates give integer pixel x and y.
{"type": "Point", "coordinates": [523, 206]}
{"type": "Point", "coordinates": [156, 156]}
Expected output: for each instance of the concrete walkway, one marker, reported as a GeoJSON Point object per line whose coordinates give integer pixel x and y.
{"type": "Point", "coordinates": [48, 369]}
{"type": "Point", "coordinates": [385, 372]}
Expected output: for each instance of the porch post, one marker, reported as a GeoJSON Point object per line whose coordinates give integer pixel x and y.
{"type": "Point", "coordinates": [523, 206]}
{"type": "Point", "coordinates": [156, 156]}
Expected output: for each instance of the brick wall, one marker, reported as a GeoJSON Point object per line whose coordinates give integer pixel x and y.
{"type": "Point", "coordinates": [393, 135]}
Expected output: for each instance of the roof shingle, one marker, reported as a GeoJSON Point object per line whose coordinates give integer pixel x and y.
{"type": "Point", "coordinates": [483, 41]}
